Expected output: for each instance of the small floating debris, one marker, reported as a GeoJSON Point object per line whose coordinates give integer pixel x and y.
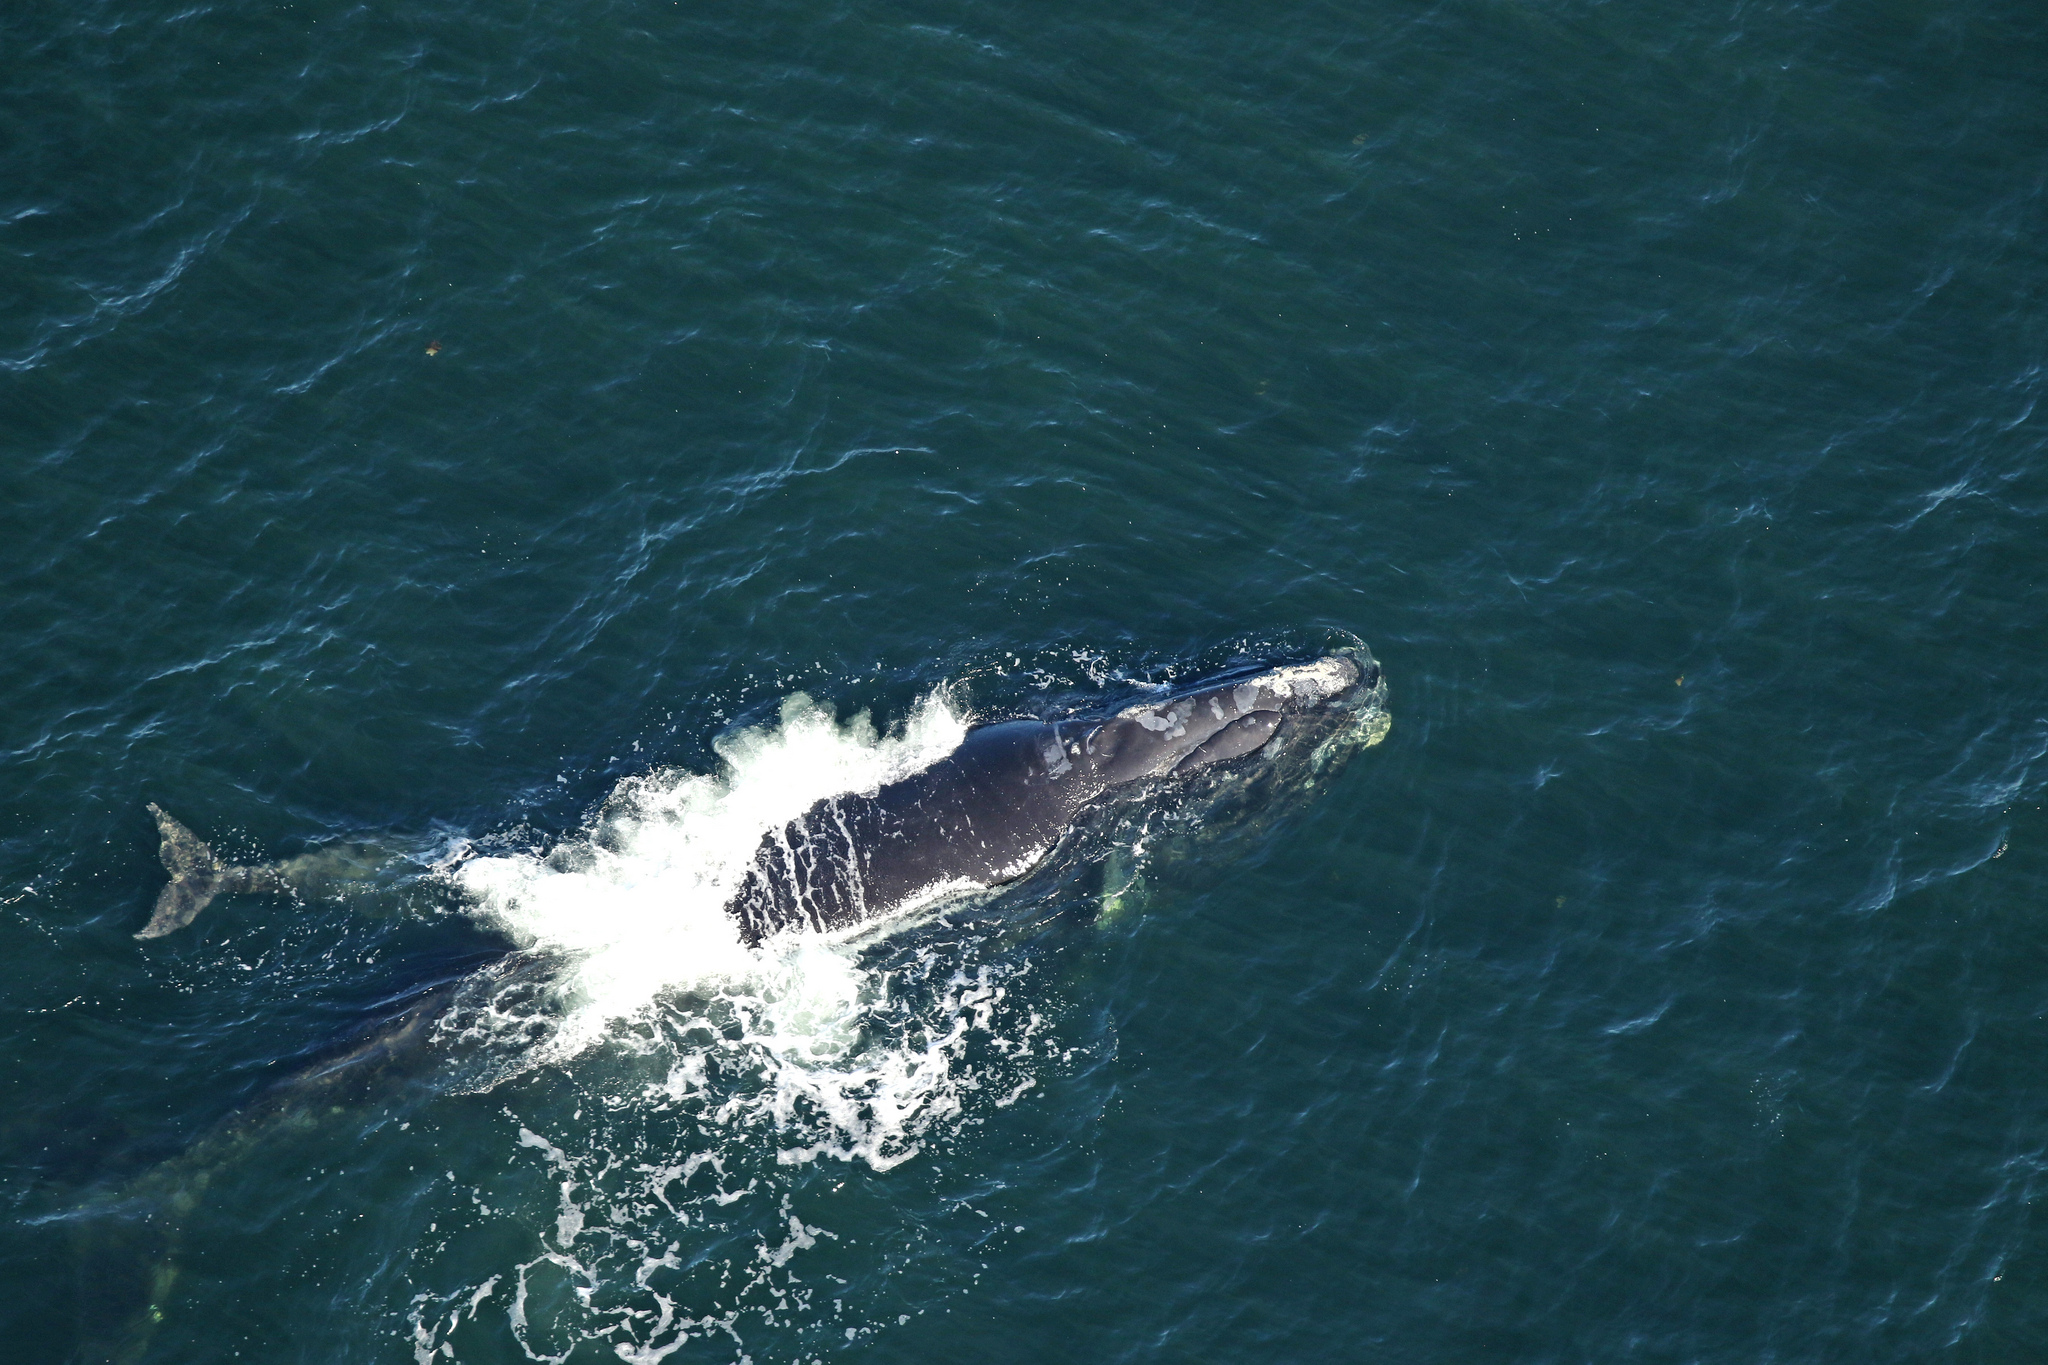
{"type": "Point", "coordinates": [433, 348]}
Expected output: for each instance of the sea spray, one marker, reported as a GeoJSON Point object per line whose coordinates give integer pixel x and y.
{"type": "Point", "coordinates": [715, 1079]}
{"type": "Point", "coordinates": [634, 907]}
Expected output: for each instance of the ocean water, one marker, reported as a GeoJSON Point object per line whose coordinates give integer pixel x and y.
{"type": "Point", "coordinates": [519, 453]}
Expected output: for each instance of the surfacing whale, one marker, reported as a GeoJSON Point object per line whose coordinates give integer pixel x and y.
{"type": "Point", "coordinates": [994, 808]}
{"type": "Point", "coordinates": [981, 817]}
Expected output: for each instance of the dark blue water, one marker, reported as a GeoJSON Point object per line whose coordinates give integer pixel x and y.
{"type": "Point", "coordinates": [526, 442]}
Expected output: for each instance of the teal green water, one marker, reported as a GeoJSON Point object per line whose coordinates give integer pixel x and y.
{"type": "Point", "coordinates": [417, 422]}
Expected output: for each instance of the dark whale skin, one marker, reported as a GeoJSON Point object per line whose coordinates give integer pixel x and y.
{"type": "Point", "coordinates": [993, 808]}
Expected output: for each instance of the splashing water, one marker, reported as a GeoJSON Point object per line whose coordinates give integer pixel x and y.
{"type": "Point", "coordinates": [715, 1076]}
{"type": "Point", "coordinates": [636, 907]}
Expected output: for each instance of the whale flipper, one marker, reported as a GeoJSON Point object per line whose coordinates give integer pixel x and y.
{"type": "Point", "coordinates": [196, 877]}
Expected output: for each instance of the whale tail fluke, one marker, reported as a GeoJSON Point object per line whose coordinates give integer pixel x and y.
{"type": "Point", "coordinates": [196, 877]}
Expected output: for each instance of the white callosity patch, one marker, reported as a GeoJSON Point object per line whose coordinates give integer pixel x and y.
{"type": "Point", "coordinates": [1170, 721]}
{"type": "Point", "coordinates": [682, 1200]}
{"type": "Point", "coordinates": [1311, 682]}
{"type": "Point", "coordinates": [1298, 684]}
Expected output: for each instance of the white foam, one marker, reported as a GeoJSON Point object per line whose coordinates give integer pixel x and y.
{"type": "Point", "coordinates": [635, 908]}
{"type": "Point", "coordinates": [730, 1074]}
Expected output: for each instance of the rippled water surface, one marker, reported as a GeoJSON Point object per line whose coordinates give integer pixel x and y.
{"type": "Point", "coordinates": [516, 455]}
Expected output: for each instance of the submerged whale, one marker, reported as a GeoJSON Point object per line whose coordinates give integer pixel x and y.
{"type": "Point", "coordinates": [981, 817]}
{"type": "Point", "coordinates": [987, 814]}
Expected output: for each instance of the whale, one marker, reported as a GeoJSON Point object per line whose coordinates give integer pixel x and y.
{"type": "Point", "coordinates": [995, 808]}
{"type": "Point", "coordinates": [985, 815]}
{"type": "Point", "coordinates": [198, 875]}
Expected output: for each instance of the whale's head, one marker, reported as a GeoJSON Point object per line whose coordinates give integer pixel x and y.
{"type": "Point", "coordinates": [1311, 712]}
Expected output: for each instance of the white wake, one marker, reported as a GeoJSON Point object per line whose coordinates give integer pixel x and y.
{"type": "Point", "coordinates": [712, 1076]}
